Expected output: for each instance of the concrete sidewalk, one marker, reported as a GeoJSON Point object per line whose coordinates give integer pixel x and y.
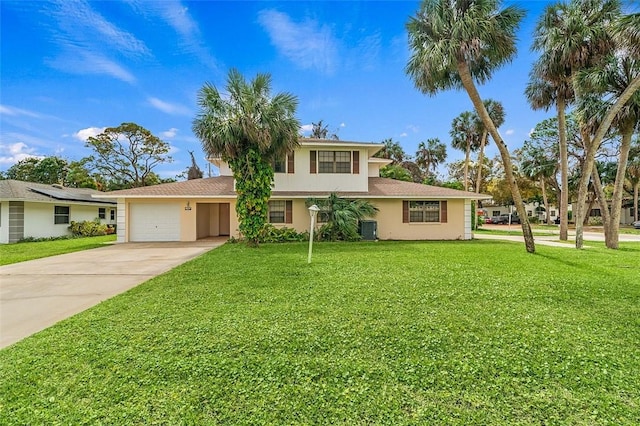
{"type": "Point", "coordinates": [549, 240]}
{"type": "Point", "coordinates": [38, 293]}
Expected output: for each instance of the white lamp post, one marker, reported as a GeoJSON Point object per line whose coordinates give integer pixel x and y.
{"type": "Point", "coordinates": [313, 212]}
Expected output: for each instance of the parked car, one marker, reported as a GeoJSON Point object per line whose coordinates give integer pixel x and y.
{"type": "Point", "coordinates": [636, 224]}
{"type": "Point", "coordinates": [504, 218]}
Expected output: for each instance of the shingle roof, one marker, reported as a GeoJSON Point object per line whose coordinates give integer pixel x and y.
{"type": "Point", "coordinates": [30, 191]}
{"type": "Point", "coordinates": [222, 186]}
{"type": "Point", "coordinates": [219, 186]}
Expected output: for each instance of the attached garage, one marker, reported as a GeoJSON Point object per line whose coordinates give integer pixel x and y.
{"type": "Point", "coordinates": [154, 222]}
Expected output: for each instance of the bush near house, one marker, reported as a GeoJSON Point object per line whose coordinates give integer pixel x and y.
{"type": "Point", "coordinates": [88, 228]}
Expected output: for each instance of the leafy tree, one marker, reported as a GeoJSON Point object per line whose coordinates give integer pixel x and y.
{"type": "Point", "coordinates": [341, 216]}
{"type": "Point", "coordinates": [47, 170]}
{"type": "Point", "coordinates": [455, 44]}
{"type": "Point", "coordinates": [430, 154]}
{"type": "Point", "coordinates": [248, 128]}
{"type": "Point", "coordinates": [536, 164]}
{"type": "Point", "coordinates": [126, 155]}
{"type": "Point", "coordinates": [397, 172]}
{"type": "Point", "coordinates": [194, 171]}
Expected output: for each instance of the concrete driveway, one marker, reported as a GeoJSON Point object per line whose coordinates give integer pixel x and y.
{"type": "Point", "coordinates": [38, 293]}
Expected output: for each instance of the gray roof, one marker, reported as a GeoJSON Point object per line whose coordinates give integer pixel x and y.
{"type": "Point", "coordinates": [17, 190]}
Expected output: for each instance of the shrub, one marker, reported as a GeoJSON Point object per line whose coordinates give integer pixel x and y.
{"type": "Point", "coordinates": [271, 234]}
{"type": "Point", "coordinates": [88, 228]}
{"type": "Point", "coordinates": [595, 221]}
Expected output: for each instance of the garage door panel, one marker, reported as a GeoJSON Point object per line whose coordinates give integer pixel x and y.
{"type": "Point", "coordinates": [154, 222]}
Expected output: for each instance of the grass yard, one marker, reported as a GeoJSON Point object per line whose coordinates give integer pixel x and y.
{"type": "Point", "coordinates": [20, 252]}
{"type": "Point", "coordinates": [370, 333]}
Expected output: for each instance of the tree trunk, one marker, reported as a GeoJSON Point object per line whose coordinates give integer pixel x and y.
{"type": "Point", "coordinates": [592, 148]}
{"type": "Point", "coordinates": [543, 186]}
{"type": "Point", "coordinates": [466, 166]}
{"type": "Point", "coordinates": [602, 201]}
{"type": "Point", "coordinates": [467, 82]}
{"type": "Point", "coordinates": [483, 142]}
{"type": "Point", "coordinates": [636, 189]}
{"type": "Point", "coordinates": [613, 240]}
{"type": "Point", "coordinates": [564, 170]}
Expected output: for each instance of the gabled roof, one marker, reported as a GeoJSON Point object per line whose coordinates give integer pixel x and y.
{"type": "Point", "coordinates": [17, 190]}
{"type": "Point", "coordinates": [222, 187]}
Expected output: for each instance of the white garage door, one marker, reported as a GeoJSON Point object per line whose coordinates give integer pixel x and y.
{"type": "Point", "coordinates": [154, 222]}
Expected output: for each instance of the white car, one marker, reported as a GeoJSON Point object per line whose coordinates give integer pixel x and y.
{"type": "Point", "coordinates": [636, 224]}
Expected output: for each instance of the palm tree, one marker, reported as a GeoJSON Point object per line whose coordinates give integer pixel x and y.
{"type": "Point", "coordinates": [430, 154]}
{"type": "Point", "coordinates": [633, 176]}
{"type": "Point", "coordinates": [248, 128]}
{"type": "Point", "coordinates": [341, 216]}
{"type": "Point", "coordinates": [464, 137]}
{"type": "Point", "coordinates": [455, 44]}
{"type": "Point", "coordinates": [611, 80]}
{"type": "Point", "coordinates": [496, 112]}
{"type": "Point", "coordinates": [392, 151]}
{"type": "Point", "coordinates": [543, 92]}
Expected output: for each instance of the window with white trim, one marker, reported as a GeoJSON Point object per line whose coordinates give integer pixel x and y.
{"type": "Point", "coordinates": [102, 213]}
{"type": "Point", "coordinates": [60, 215]}
{"type": "Point", "coordinates": [112, 214]}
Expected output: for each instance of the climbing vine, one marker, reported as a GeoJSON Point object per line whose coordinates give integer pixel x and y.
{"type": "Point", "coordinates": [254, 177]}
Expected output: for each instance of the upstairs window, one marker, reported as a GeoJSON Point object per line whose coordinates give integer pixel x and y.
{"type": "Point", "coordinates": [334, 161]}
{"type": "Point", "coordinates": [284, 164]}
{"type": "Point", "coordinates": [61, 215]}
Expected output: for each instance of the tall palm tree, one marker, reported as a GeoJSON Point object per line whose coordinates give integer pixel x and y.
{"type": "Point", "coordinates": [543, 91]}
{"type": "Point", "coordinates": [430, 154]}
{"type": "Point", "coordinates": [456, 43]}
{"type": "Point", "coordinates": [248, 127]}
{"type": "Point", "coordinates": [497, 114]}
{"type": "Point", "coordinates": [392, 151]}
{"type": "Point", "coordinates": [611, 80]}
{"type": "Point", "coordinates": [465, 137]}
{"type": "Point", "coordinates": [633, 176]}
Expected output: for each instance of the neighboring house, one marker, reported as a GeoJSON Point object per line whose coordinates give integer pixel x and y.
{"type": "Point", "coordinates": [36, 210]}
{"type": "Point", "coordinates": [200, 208]}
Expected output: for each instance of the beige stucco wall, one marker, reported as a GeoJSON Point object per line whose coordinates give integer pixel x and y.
{"type": "Point", "coordinates": [190, 229]}
{"type": "Point", "coordinates": [390, 226]}
{"type": "Point", "coordinates": [303, 180]}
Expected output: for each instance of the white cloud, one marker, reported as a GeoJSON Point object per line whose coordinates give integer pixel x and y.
{"type": "Point", "coordinates": [343, 125]}
{"type": "Point", "coordinates": [167, 107]}
{"type": "Point", "coordinates": [85, 62]}
{"type": "Point", "coordinates": [171, 133]}
{"type": "Point", "coordinates": [13, 111]}
{"type": "Point", "coordinates": [177, 16]}
{"type": "Point", "coordinates": [307, 44]}
{"type": "Point", "coordinates": [509, 132]}
{"type": "Point", "coordinates": [12, 153]}
{"type": "Point", "coordinates": [403, 135]}
{"type": "Point", "coordinates": [306, 127]}
{"type": "Point", "coordinates": [84, 134]}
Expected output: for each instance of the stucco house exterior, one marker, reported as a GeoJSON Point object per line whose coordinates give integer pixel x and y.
{"type": "Point", "coordinates": [200, 208]}
{"type": "Point", "coordinates": [29, 209]}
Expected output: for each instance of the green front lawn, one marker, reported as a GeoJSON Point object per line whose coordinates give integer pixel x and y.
{"type": "Point", "coordinates": [14, 253]}
{"type": "Point", "coordinates": [475, 332]}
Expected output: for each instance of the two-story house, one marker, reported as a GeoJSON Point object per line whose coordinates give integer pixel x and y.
{"type": "Point", "coordinates": [201, 208]}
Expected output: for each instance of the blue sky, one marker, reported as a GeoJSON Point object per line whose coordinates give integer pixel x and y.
{"type": "Point", "coordinates": [71, 68]}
